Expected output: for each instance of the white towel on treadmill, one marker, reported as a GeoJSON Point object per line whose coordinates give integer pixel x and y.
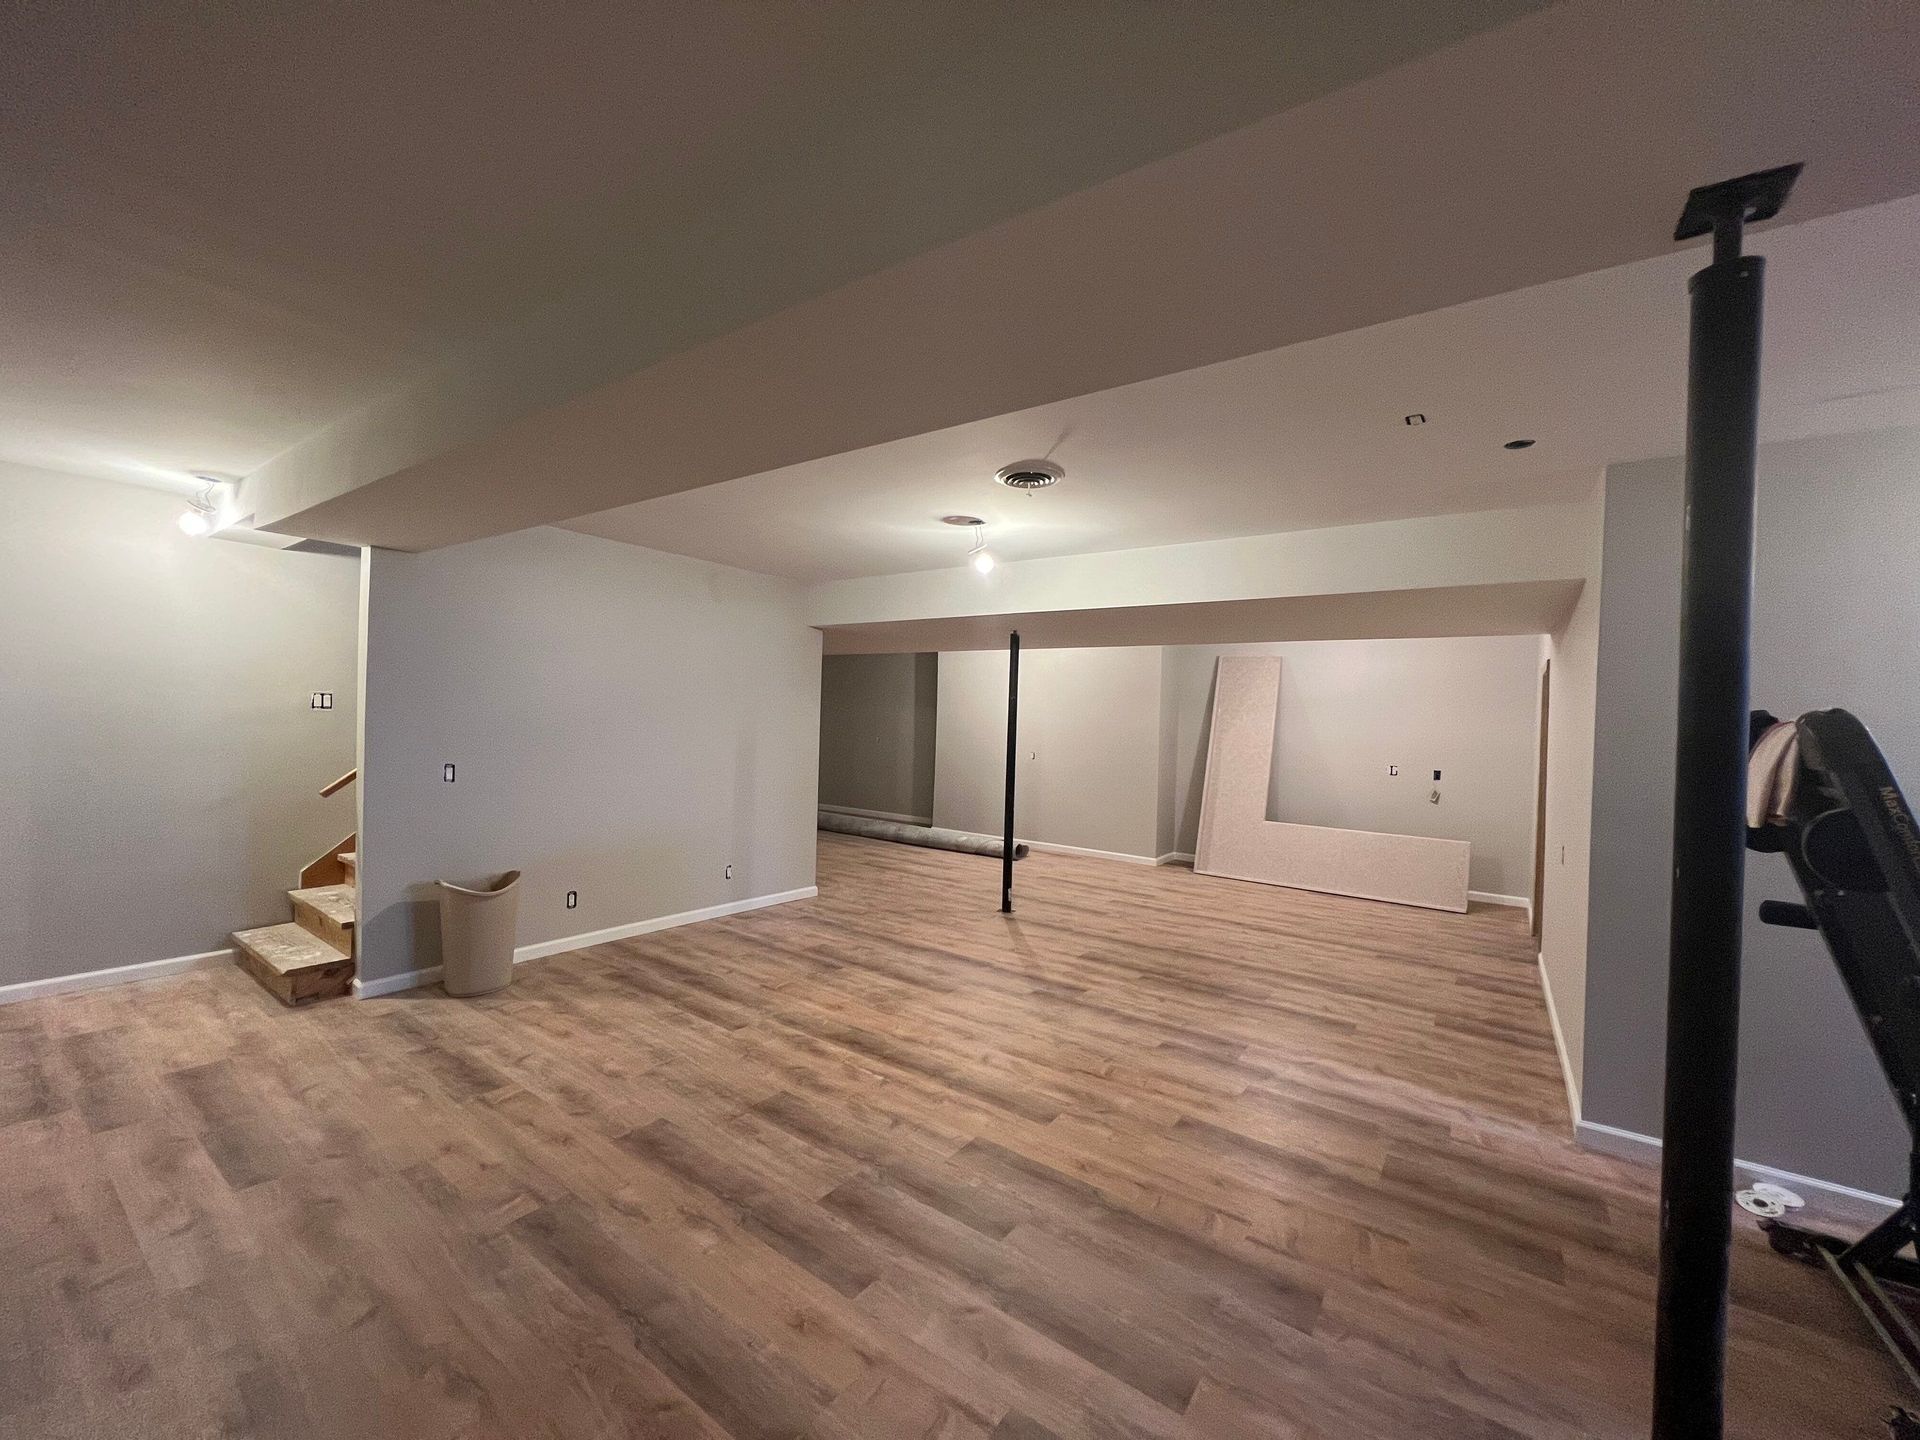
{"type": "Point", "coordinates": [1772, 766]}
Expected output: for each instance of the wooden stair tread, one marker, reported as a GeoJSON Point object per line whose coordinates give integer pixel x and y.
{"type": "Point", "coordinates": [335, 902]}
{"type": "Point", "coordinates": [287, 949]}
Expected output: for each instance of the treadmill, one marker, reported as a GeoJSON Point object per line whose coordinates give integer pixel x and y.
{"type": "Point", "coordinates": [1854, 846]}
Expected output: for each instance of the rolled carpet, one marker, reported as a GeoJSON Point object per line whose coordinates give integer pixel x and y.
{"type": "Point", "coordinates": [927, 835]}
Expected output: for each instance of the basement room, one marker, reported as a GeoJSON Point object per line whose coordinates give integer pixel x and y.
{"type": "Point", "coordinates": [1076, 721]}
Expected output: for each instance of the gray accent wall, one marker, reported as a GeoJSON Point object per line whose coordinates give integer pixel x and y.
{"type": "Point", "coordinates": [1114, 741]}
{"type": "Point", "coordinates": [1089, 756]}
{"type": "Point", "coordinates": [159, 758]}
{"type": "Point", "coordinates": [1467, 707]}
{"type": "Point", "coordinates": [624, 723]}
{"type": "Point", "coordinates": [877, 727]}
{"type": "Point", "coordinates": [1836, 622]}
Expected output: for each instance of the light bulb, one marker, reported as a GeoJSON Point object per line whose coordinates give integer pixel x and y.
{"type": "Point", "coordinates": [983, 561]}
{"type": "Point", "coordinates": [196, 522]}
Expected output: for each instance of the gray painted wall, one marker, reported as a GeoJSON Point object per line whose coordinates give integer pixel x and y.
{"type": "Point", "coordinates": [1113, 743]}
{"type": "Point", "coordinates": [1350, 708]}
{"type": "Point", "coordinates": [1836, 622]}
{"type": "Point", "coordinates": [161, 764]}
{"type": "Point", "coordinates": [625, 723]}
{"type": "Point", "coordinates": [877, 726]}
{"type": "Point", "coordinates": [1089, 758]}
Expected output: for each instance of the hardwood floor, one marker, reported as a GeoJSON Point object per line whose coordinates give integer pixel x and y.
{"type": "Point", "coordinates": [1162, 1156]}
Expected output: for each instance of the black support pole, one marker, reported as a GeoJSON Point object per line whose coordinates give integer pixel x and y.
{"type": "Point", "coordinates": [1709, 809]}
{"type": "Point", "coordinates": [1013, 746]}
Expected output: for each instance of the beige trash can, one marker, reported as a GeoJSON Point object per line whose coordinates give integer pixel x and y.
{"type": "Point", "coordinates": [477, 933]}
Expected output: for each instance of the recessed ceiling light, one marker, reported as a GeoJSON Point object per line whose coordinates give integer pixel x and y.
{"type": "Point", "coordinates": [1030, 475]}
{"type": "Point", "coordinates": [1518, 445]}
{"type": "Point", "coordinates": [961, 520]}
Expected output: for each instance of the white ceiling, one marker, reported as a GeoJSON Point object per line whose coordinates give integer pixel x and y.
{"type": "Point", "coordinates": [227, 227]}
{"type": "Point", "coordinates": [1552, 147]}
{"type": "Point", "coordinates": [1313, 435]}
{"type": "Point", "coordinates": [422, 275]}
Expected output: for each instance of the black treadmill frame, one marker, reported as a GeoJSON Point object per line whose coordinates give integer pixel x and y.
{"type": "Point", "coordinates": [1853, 844]}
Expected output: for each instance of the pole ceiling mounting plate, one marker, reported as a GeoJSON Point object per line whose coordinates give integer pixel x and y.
{"type": "Point", "coordinates": [1745, 198]}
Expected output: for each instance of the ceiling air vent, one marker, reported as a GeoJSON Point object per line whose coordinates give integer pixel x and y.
{"type": "Point", "coordinates": [1029, 475]}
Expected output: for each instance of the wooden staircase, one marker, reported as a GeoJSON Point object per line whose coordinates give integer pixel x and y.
{"type": "Point", "coordinates": [311, 956]}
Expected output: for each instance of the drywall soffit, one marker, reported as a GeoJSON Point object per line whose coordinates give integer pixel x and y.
{"type": "Point", "coordinates": [1530, 607]}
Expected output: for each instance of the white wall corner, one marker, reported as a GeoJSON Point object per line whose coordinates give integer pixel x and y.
{"type": "Point", "coordinates": [1560, 1046]}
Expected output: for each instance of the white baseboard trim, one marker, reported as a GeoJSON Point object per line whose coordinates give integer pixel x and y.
{"type": "Point", "coordinates": [1487, 897]}
{"type": "Point", "coordinates": [394, 984]}
{"type": "Point", "coordinates": [877, 814]}
{"type": "Point", "coordinates": [1630, 1145]}
{"type": "Point", "coordinates": [1053, 849]}
{"type": "Point", "coordinates": [1174, 857]}
{"type": "Point", "coordinates": [113, 975]}
{"type": "Point", "coordinates": [410, 979]}
{"type": "Point", "coordinates": [1560, 1046]}
{"type": "Point", "coordinates": [659, 922]}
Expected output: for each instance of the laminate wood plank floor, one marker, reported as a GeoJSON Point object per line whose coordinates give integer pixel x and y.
{"type": "Point", "coordinates": [1160, 1156]}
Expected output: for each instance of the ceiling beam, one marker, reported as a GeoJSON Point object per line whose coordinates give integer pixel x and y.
{"type": "Point", "coordinates": [1547, 148]}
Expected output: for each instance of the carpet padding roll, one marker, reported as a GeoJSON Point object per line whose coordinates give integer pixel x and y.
{"type": "Point", "coordinates": [927, 835]}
